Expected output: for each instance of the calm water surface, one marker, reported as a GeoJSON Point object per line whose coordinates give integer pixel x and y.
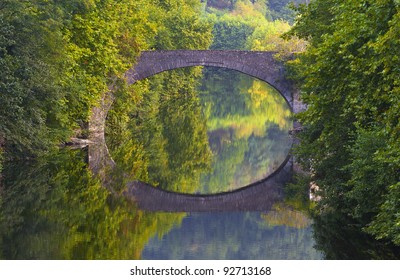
{"type": "Point", "coordinates": [238, 236]}
{"type": "Point", "coordinates": [190, 137]}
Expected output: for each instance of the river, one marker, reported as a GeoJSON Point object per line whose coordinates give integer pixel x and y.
{"type": "Point", "coordinates": [203, 146]}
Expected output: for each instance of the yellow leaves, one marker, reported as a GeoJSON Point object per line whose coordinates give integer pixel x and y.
{"type": "Point", "coordinates": [268, 37]}
{"type": "Point", "coordinates": [248, 11]}
{"type": "Point", "coordinates": [282, 215]}
{"type": "Point", "coordinates": [267, 106]}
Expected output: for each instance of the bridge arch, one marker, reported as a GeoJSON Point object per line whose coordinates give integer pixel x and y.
{"type": "Point", "coordinates": [258, 196]}
{"type": "Point", "coordinates": [261, 65]}
{"type": "Point", "coordinates": [258, 64]}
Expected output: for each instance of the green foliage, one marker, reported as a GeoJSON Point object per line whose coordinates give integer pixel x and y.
{"type": "Point", "coordinates": [30, 96]}
{"type": "Point", "coordinates": [54, 209]}
{"type": "Point", "coordinates": [58, 58]}
{"type": "Point", "coordinates": [182, 26]}
{"type": "Point", "coordinates": [386, 225]}
{"type": "Point", "coordinates": [350, 80]}
{"type": "Point", "coordinates": [230, 33]}
{"type": "Point", "coordinates": [282, 9]}
{"type": "Point", "coordinates": [169, 145]}
{"type": "Point", "coordinates": [221, 4]}
{"type": "Point", "coordinates": [246, 26]}
{"type": "Point", "coordinates": [102, 41]}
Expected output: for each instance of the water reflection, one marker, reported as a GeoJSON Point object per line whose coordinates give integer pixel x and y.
{"type": "Point", "coordinates": [80, 204]}
{"type": "Point", "coordinates": [247, 124]}
{"type": "Point", "coordinates": [260, 196]}
{"type": "Point", "coordinates": [338, 237]}
{"type": "Point", "coordinates": [55, 209]}
{"type": "Point", "coordinates": [219, 135]}
{"type": "Point", "coordinates": [165, 143]}
{"type": "Point", "coordinates": [222, 236]}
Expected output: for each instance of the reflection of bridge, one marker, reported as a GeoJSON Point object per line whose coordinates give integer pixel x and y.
{"type": "Point", "coordinates": [260, 196]}
{"type": "Point", "coordinates": [261, 65]}
{"type": "Point", "coordinates": [257, 197]}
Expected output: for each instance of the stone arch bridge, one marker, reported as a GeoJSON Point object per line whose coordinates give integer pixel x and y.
{"type": "Point", "coordinates": [258, 64]}
{"type": "Point", "coordinates": [261, 65]}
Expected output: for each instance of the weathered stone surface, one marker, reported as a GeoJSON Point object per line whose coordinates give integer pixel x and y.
{"type": "Point", "coordinates": [98, 117]}
{"type": "Point", "coordinates": [261, 65]}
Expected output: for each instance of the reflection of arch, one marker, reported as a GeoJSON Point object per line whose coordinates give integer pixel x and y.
{"type": "Point", "coordinates": [259, 196]}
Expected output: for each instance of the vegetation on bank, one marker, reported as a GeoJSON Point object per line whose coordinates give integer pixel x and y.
{"type": "Point", "coordinates": [349, 77]}
{"type": "Point", "coordinates": [59, 57]}
{"type": "Point", "coordinates": [246, 25]}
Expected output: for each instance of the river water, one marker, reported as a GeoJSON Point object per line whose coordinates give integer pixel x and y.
{"type": "Point", "coordinates": [184, 178]}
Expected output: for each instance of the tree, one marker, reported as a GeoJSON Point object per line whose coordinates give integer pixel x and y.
{"type": "Point", "coordinates": [349, 79]}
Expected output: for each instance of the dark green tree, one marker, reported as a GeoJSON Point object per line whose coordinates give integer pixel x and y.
{"type": "Point", "coordinates": [349, 78]}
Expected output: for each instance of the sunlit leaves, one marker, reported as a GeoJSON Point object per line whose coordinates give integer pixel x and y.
{"type": "Point", "coordinates": [247, 27]}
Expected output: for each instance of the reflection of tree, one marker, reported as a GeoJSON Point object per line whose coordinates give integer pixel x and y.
{"type": "Point", "coordinates": [54, 209]}
{"type": "Point", "coordinates": [222, 236]}
{"type": "Point", "coordinates": [339, 237]}
{"type": "Point", "coordinates": [219, 91]}
{"type": "Point", "coordinates": [282, 214]}
{"type": "Point", "coordinates": [265, 153]}
{"type": "Point", "coordinates": [248, 123]}
{"type": "Point", "coordinates": [168, 144]}
{"type": "Point", "coordinates": [229, 154]}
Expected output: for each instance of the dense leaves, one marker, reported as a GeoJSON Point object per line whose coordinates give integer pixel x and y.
{"type": "Point", "coordinates": [247, 26]}
{"type": "Point", "coordinates": [59, 57]}
{"type": "Point", "coordinates": [350, 80]}
{"type": "Point", "coordinates": [30, 97]}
